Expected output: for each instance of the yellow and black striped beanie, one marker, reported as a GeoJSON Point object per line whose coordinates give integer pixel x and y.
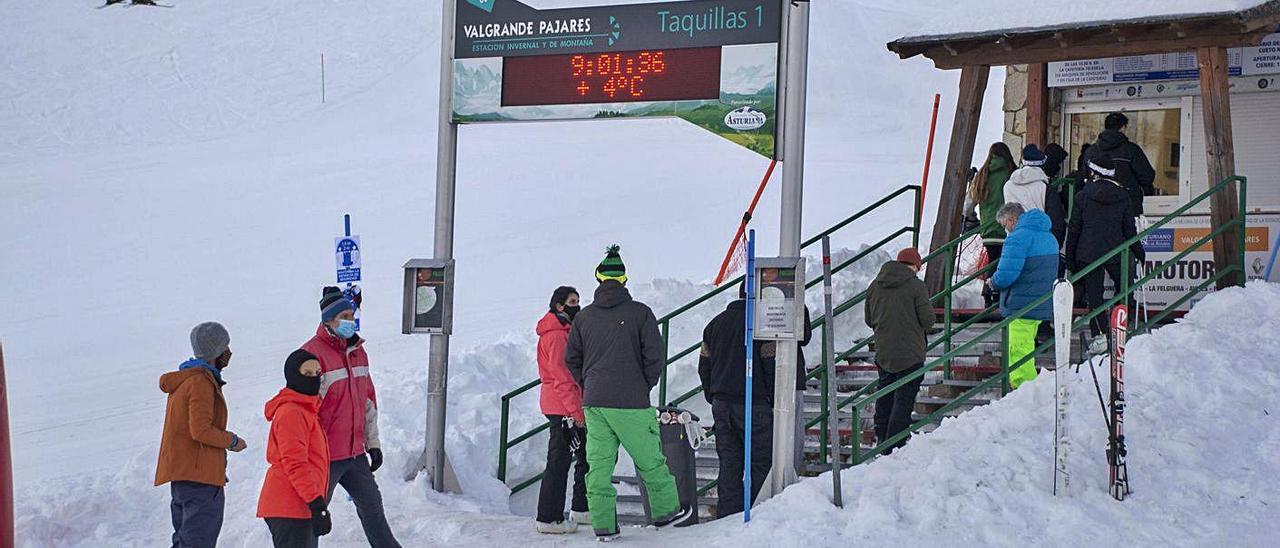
{"type": "Point", "coordinates": [611, 268]}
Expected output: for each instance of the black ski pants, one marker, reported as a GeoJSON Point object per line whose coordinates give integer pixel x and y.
{"type": "Point", "coordinates": [731, 419]}
{"type": "Point", "coordinates": [556, 477]}
{"type": "Point", "coordinates": [354, 476]}
{"type": "Point", "coordinates": [1094, 284]}
{"type": "Point", "coordinates": [196, 511]}
{"type": "Point", "coordinates": [893, 410]}
{"type": "Point", "coordinates": [292, 533]}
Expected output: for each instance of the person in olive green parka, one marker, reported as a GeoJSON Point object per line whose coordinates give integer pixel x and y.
{"type": "Point", "coordinates": [898, 310]}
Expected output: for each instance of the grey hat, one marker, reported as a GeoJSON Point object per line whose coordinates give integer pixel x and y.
{"type": "Point", "coordinates": [209, 340]}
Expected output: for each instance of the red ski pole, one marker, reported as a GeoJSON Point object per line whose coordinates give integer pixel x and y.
{"type": "Point", "coordinates": [742, 227]}
{"type": "Point", "coordinates": [6, 464]}
{"type": "Point", "coordinates": [928, 153]}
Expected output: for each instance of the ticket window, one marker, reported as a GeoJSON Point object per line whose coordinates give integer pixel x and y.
{"type": "Point", "coordinates": [1158, 130]}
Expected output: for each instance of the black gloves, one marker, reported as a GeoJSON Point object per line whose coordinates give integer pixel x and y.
{"type": "Point", "coordinates": [320, 522]}
{"type": "Point", "coordinates": [375, 459]}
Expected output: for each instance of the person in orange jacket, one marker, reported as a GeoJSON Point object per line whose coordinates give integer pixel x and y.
{"type": "Point", "coordinates": [561, 403]}
{"type": "Point", "coordinates": [292, 501]}
{"type": "Point", "coordinates": [195, 440]}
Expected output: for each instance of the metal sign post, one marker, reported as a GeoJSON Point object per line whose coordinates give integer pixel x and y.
{"type": "Point", "coordinates": [829, 356]}
{"type": "Point", "coordinates": [433, 458]}
{"type": "Point", "coordinates": [794, 69]}
{"type": "Point", "coordinates": [747, 403]}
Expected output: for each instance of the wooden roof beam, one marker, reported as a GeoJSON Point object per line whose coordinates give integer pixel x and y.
{"type": "Point", "coordinates": [1100, 45]}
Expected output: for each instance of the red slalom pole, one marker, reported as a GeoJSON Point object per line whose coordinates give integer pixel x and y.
{"type": "Point", "coordinates": [746, 217]}
{"type": "Point", "coordinates": [928, 153]}
{"type": "Point", "coordinates": [6, 464]}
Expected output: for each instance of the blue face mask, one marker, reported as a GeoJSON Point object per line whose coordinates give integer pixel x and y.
{"type": "Point", "coordinates": [345, 329]}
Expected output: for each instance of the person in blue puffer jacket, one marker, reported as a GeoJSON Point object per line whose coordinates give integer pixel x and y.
{"type": "Point", "coordinates": [1026, 272]}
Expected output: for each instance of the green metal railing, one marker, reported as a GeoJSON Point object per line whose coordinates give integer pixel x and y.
{"type": "Point", "coordinates": [948, 253]}
{"type": "Point", "coordinates": [1124, 291]}
{"type": "Point", "coordinates": [665, 322]}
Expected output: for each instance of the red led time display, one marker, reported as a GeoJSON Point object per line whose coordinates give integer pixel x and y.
{"type": "Point", "coordinates": [614, 77]}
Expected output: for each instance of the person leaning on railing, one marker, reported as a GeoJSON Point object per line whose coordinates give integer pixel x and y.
{"type": "Point", "coordinates": [1026, 272]}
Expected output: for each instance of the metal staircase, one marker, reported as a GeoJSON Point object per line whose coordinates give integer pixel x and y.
{"type": "Point", "coordinates": [966, 365]}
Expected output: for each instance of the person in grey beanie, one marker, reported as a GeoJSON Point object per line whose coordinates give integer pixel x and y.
{"type": "Point", "coordinates": [195, 440]}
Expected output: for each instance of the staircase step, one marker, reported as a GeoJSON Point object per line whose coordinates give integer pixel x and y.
{"type": "Point", "coordinates": [703, 501]}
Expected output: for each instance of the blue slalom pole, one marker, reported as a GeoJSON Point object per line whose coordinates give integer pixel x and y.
{"type": "Point", "coordinates": [1271, 263]}
{"type": "Point", "coordinates": [751, 286]}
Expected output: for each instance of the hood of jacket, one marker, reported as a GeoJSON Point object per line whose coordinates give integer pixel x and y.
{"type": "Point", "coordinates": [1111, 140]}
{"type": "Point", "coordinates": [286, 396]}
{"type": "Point", "coordinates": [1106, 191]}
{"type": "Point", "coordinates": [552, 322]}
{"type": "Point", "coordinates": [996, 164]}
{"type": "Point", "coordinates": [893, 274]}
{"type": "Point", "coordinates": [171, 381]}
{"type": "Point", "coordinates": [1035, 220]}
{"type": "Point", "coordinates": [611, 293]}
{"type": "Point", "coordinates": [1027, 175]}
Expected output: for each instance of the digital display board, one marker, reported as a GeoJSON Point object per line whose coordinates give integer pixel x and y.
{"type": "Point", "coordinates": [612, 77]}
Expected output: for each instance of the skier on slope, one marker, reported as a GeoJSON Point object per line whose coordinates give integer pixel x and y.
{"type": "Point", "coordinates": [898, 309]}
{"type": "Point", "coordinates": [293, 500]}
{"type": "Point", "coordinates": [615, 355]}
{"type": "Point", "coordinates": [1027, 270]}
{"type": "Point", "coordinates": [561, 402]}
{"type": "Point", "coordinates": [1101, 220]}
{"type": "Point", "coordinates": [349, 413]}
{"type": "Point", "coordinates": [722, 367]}
{"type": "Point", "coordinates": [195, 440]}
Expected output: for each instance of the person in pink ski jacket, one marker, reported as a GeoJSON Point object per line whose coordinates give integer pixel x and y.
{"type": "Point", "coordinates": [561, 402]}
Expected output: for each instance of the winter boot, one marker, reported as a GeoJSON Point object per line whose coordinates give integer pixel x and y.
{"type": "Point", "coordinates": [678, 518]}
{"type": "Point", "coordinates": [608, 537]}
{"type": "Point", "coordinates": [558, 528]}
{"type": "Point", "coordinates": [581, 518]}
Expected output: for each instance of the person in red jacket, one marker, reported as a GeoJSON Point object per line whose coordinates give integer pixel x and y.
{"type": "Point", "coordinates": [561, 402]}
{"type": "Point", "coordinates": [349, 413]}
{"type": "Point", "coordinates": [294, 493]}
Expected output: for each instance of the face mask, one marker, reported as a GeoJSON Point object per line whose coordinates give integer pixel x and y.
{"type": "Point", "coordinates": [571, 311]}
{"type": "Point", "coordinates": [303, 384]}
{"type": "Point", "coordinates": [345, 329]}
{"type": "Point", "coordinates": [223, 361]}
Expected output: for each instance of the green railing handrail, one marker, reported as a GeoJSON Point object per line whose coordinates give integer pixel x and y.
{"type": "Point", "coordinates": [665, 325]}
{"type": "Point", "coordinates": [1124, 290]}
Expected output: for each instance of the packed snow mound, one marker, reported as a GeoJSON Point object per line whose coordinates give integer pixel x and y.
{"type": "Point", "coordinates": [976, 16]}
{"type": "Point", "coordinates": [1203, 441]}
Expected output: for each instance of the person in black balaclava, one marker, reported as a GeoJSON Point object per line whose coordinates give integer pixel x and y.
{"type": "Point", "coordinates": [294, 501]}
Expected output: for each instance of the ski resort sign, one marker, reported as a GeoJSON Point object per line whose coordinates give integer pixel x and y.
{"type": "Point", "coordinates": [710, 62]}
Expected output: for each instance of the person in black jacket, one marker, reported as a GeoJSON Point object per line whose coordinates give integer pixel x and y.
{"type": "Point", "coordinates": [615, 354]}
{"type": "Point", "coordinates": [1133, 170]}
{"type": "Point", "coordinates": [1101, 221]}
{"type": "Point", "coordinates": [722, 367]}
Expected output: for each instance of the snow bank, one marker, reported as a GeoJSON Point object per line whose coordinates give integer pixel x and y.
{"type": "Point", "coordinates": [1204, 452]}
{"type": "Point", "coordinates": [979, 16]}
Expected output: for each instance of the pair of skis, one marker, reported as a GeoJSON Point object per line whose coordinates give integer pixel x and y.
{"type": "Point", "coordinates": [1118, 477]}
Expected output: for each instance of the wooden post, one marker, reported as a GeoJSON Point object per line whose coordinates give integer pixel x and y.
{"type": "Point", "coordinates": [964, 131]}
{"type": "Point", "coordinates": [1219, 148]}
{"type": "Point", "coordinates": [1037, 105]}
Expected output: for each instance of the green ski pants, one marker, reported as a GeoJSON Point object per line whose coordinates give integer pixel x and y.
{"type": "Point", "coordinates": [1022, 342]}
{"type": "Point", "coordinates": [637, 431]}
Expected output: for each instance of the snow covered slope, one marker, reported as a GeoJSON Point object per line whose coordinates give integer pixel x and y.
{"type": "Point", "coordinates": [1203, 440]}
{"type": "Point", "coordinates": [162, 167]}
